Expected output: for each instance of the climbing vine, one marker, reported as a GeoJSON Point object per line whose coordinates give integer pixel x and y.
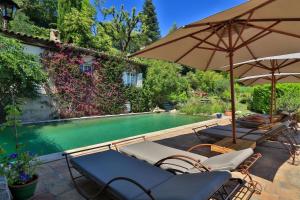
{"type": "Point", "coordinates": [96, 91]}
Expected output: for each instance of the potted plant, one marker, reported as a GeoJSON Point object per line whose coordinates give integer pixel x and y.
{"type": "Point", "coordinates": [227, 109]}
{"type": "Point", "coordinates": [20, 171]}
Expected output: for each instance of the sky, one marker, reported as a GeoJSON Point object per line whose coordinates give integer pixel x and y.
{"type": "Point", "coordinates": [181, 12]}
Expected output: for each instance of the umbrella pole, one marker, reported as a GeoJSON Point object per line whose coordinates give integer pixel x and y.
{"type": "Point", "coordinates": [232, 84]}
{"type": "Point", "coordinates": [232, 99]}
{"type": "Point", "coordinates": [272, 96]}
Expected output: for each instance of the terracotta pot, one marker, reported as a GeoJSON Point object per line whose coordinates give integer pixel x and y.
{"type": "Point", "coordinates": [23, 192]}
{"type": "Point", "coordinates": [228, 113]}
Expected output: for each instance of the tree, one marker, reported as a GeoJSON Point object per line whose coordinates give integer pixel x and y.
{"type": "Point", "coordinates": [173, 28]}
{"type": "Point", "coordinates": [22, 24]}
{"type": "Point", "coordinates": [209, 81]}
{"type": "Point", "coordinates": [19, 72]}
{"type": "Point", "coordinates": [78, 25]}
{"type": "Point", "coordinates": [165, 83]}
{"type": "Point", "coordinates": [64, 7]}
{"type": "Point", "coordinates": [124, 28]}
{"type": "Point", "coordinates": [42, 13]}
{"type": "Point", "coordinates": [150, 22]}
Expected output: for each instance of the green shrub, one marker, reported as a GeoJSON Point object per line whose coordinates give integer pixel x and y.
{"type": "Point", "coordinates": [287, 97]}
{"type": "Point", "coordinates": [20, 73]}
{"type": "Point", "coordinates": [196, 105]}
{"type": "Point", "coordinates": [139, 99]}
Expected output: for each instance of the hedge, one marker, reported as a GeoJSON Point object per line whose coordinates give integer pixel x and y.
{"type": "Point", "coordinates": [287, 97]}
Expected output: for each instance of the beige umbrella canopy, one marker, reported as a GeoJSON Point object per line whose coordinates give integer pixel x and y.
{"type": "Point", "coordinates": [267, 79]}
{"type": "Point", "coordinates": [257, 28]}
{"type": "Point", "coordinates": [289, 63]}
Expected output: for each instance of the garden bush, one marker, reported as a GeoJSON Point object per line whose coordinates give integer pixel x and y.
{"type": "Point", "coordinates": [165, 83]}
{"type": "Point", "coordinates": [196, 105]}
{"type": "Point", "coordinates": [287, 95]}
{"type": "Point", "coordinates": [20, 73]}
{"type": "Point", "coordinates": [139, 99]}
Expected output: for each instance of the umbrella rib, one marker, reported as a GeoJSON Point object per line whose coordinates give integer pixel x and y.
{"type": "Point", "coordinates": [243, 28]}
{"type": "Point", "coordinates": [204, 41]}
{"type": "Point", "coordinates": [259, 35]}
{"type": "Point", "coordinates": [194, 47]}
{"type": "Point", "coordinates": [274, 30]}
{"type": "Point", "coordinates": [259, 64]}
{"type": "Point", "coordinates": [171, 41]}
{"type": "Point", "coordinates": [220, 37]}
{"type": "Point", "coordinates": [252, 82]}
{"type": "Point", "coordinates": [287, 64]}
{"type": "Point", "coordinates": [214, 52]}
{"type": "Point", "coordinates": [283, 62]}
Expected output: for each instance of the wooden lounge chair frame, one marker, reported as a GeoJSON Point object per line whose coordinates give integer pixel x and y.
{"type": "Point", "coordinates": [243, 168]}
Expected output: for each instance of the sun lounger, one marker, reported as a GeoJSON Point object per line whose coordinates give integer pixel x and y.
{"type": "Point", "coordinates": [154, 153]}
{"type": "Point", "coordinates": [124, 177]}
{"type": "Point", "coordinates": [276, 132]}
{"type": "Point", "coordinates": [179, 161]}
{"type": "Point", "coordinates": [258, 135]}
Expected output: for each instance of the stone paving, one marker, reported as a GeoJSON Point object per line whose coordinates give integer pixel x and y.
{"type": "Point", "coordinates": [280, 180]}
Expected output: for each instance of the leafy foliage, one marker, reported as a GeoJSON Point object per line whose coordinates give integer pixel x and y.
{"type": "Point", "coordinates": [150, 22]}
{"type": "Point", "coordinates": [139, 99]}
{"type": "Point", "coordinates": [19, 71]}
{"type": "Point", "coordinates": [196, 105]}
{"type": "Point", "coordinates": [19, 168]}
{"type": "Point", "coordinates": [64, 7]}
{"type": "Point", "coordinates": [209, 82]}
{"type": "Point", "coordinates": [42, 13]}
{"type": "Point", "coordinates": [165, 82]}
{"type": "Point", "coordinates": [22, 24]}
{"type": "Point", "coordinates": [124, 28]}
{"type": "Point", "coordinates": [287, 95]}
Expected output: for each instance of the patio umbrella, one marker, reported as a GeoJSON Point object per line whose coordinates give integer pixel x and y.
{"type": "Point", "coordinates": [273, 79]}
{"type": "Point", "coordinates": [282, 64]}
{"type": "Point", "coordinates": [257, 28]}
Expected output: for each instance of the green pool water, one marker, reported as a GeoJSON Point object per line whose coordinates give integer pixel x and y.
{"type": "Point", "coordinates": [49, 138]}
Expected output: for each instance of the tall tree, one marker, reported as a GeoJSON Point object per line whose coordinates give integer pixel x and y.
{"type": "Point", "coordinates": [150, 22]}
{"type": "Point", "coordinates": [124, 28]}
{"type": "Point", "coordinates": [41, 12]}
{"type": "Point", "coordinates": [64, 7]}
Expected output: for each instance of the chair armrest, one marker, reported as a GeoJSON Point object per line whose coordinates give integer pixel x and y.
{"type": "Point", "coordinates": [189, 160]}
{"type": "Point", "coordinates": [148, 192]}
{"type": "Point", "coordinates": [199, 146]}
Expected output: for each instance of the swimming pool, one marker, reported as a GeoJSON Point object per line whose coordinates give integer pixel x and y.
{"type": "Point", "coordinates": [56, 137]}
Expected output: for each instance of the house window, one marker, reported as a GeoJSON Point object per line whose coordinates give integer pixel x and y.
{"type": "Point", "coordinates": [132, 79]}
{"type": "Point", "coordinates": [86, 68]}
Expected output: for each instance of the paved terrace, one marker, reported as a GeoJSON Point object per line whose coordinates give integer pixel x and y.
{"type": "Point", "coordinates": [279, 179]}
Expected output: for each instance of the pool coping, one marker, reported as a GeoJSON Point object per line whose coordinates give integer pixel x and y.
{"type": "Point", "coordinates": [161, 134]}
{"type": "Point", "coordinates": [84, 118]}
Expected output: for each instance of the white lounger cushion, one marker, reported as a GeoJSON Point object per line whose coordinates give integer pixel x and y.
{"type": "Point", "coordinates": [228, 161]}
{"type": "Point", "coordinates": [153, 152]}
